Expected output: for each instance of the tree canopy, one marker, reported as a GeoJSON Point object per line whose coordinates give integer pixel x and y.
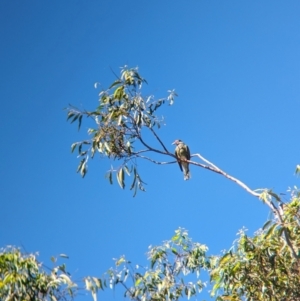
{"type": "Point", "coordinates": [256, 268]}
{"type": "Point", "coordinates": [263, 266]}
{"type": "Point", "coordinates": [24, 278]}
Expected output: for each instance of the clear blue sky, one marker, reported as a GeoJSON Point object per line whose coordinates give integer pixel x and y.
{"type": "Point", "coordinates": [236, 68]}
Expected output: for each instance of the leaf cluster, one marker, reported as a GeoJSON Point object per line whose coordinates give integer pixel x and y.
{"type": "Point", "coordinates": [23, 278]}
{"type": "Point", "coordinates": [263, 267]}
{"type": "Point", "coordinates": [170, 263]}
{"type": "Point", "coordinates": [120, 118]}
{"type": "Point", "coordinates": [257, 268]}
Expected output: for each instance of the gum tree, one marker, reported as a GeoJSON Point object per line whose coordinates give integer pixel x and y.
{"type": "Point", "coordinates": [262, 267]}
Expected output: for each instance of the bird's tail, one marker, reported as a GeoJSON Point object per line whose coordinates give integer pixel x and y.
{"type": "Point", "coordinates": [187, 174]}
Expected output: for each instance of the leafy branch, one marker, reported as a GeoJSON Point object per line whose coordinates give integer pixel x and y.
{"type": "Point", "coordinates": [121, 119]}
{"type": "Point", "coordinates": [164, 279]}
{"type": "Point", "coordinates": [22, 277]}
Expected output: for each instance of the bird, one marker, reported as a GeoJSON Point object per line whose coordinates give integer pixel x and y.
{"type": "Point", "coordinates": [182, 153]}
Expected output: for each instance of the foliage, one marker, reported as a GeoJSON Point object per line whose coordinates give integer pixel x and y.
{"type": "Point", "coordinates": [256, 268]}
{"type": "Point", "coordinates": [22, 278]}
{"type": "Point", "coordinates": [120, 121]}
{"type": "Point", "coordinates": [262, 267]}
{"type": "Point", "coordinates": [170, 264]}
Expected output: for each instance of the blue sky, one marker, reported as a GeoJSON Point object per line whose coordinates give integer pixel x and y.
{"type": "Point", "coordinates": [236, 68]}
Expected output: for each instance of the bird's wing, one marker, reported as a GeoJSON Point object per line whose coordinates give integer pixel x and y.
{"type": "Point", "coordinates": [188, 154]}
{"type": "Point", "coordinates": [177, 156]}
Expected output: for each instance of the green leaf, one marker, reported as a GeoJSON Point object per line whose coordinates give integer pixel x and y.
{"type": "Point", "coordinates": [265, 226]}
{"type": "Point", "coordinates": [75, 118]}
{"type": "Point", "coordinates": [80, 165]}
{"type": "Point", "coordinates": [63, 255]}
{"type": "Point", "coordinates": [175, 237]}
{"type": "Point", "coordinates": [73, 146]}
{"type": "Point", "coordinates": [120, 120]}
{"type": "Point", "coordinates": [70, 115]}
{"type": "Point", "coordinates": [138, 119]}
{"type": "Point", "coordinates": [174, 251]}
{"type": "Point", "coordinates": [135, 190]}
{"type": "Point", "coordinates": [236, 267]}
{"type": "Point", "coordinates": [280, 231]}
{"type": "Point", "coordinates": [107, 147]}
{"type": "Point", "coordinates": [140, 183]}
{"type": "Point", "coordinates": [117, 82]}
{"type": "Point", "coordinates": [79, 122]}
{"type": "Point", "coordinates": [109, 176]}
{"type": "Point", "coordinates": [138, 281]}
{"type": "Point", "coordinates": [80, 148]}
{"type": "Point", "coordinates": [270, 231]}
{"type": "Point", "coordinates": [98, 282]}
{"type": "Point", "coordinates": [120, 261]}
{"type": "Point", "coordinates": [120, 178]}
{"type": "Point", "coordinates": [83, 170]}
{"type": "Point", "coordinates": [225, 259]}
{"type": "Point", "coordinates": [153, 261]}
{"type": "Point", "coordinates": [88, 284]}
{"type": "Point", "coordinates": [274, 195]}
{"type": "Point", "coordinates": [134, 179]}
{"type": "Point", "coordinates": [127, 170]}
{"type": "Point", "coordinates": [119, 93]}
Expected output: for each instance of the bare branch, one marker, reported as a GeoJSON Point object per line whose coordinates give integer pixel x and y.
{"type": "Point", "coordinates": [151, 148]}
{"type": "Point", "coordinates": [220, 171]}
{"type": "Point", "coordinates": [156, 162]}
{"type": "Point", "coordinates": [154, 133]}
{"type": "Point", "coordinates": [111, 69]}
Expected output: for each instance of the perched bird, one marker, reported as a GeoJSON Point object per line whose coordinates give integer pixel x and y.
{"type": "Point", "coordinates": [182, 154]}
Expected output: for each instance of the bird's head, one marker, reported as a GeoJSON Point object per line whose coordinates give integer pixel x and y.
{"type": "Point", "coordinates": [177, 141]}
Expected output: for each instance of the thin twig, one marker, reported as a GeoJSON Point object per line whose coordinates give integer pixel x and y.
{"type": "Point", "coordinates": [130, 293]}
{"type": "Point", "coordinates": [151, 148]}
{"type": "Point", "coordinates": [285, 231]}
{"type": "Point", "coordinates": [154, 133]}
{"type": "Point", "coordinates": [156, 162]}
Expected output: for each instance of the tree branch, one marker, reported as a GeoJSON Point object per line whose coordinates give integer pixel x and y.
{"type": "Point", "coordinates": [154, 133]}
{"type": "Point", "coordinates": [156, 162]}
{"type": "Point", "coordinates": [130, 293]}
{"type": "Point", "coordinates": [269, 203]}
{"type": "Point", "coordinates": [151, 148]}
{"type": "Point", "coordinates": [220, 171]}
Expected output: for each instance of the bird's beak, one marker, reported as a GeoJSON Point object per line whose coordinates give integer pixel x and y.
{"type": "Point", "coordinates": [173, 142]}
